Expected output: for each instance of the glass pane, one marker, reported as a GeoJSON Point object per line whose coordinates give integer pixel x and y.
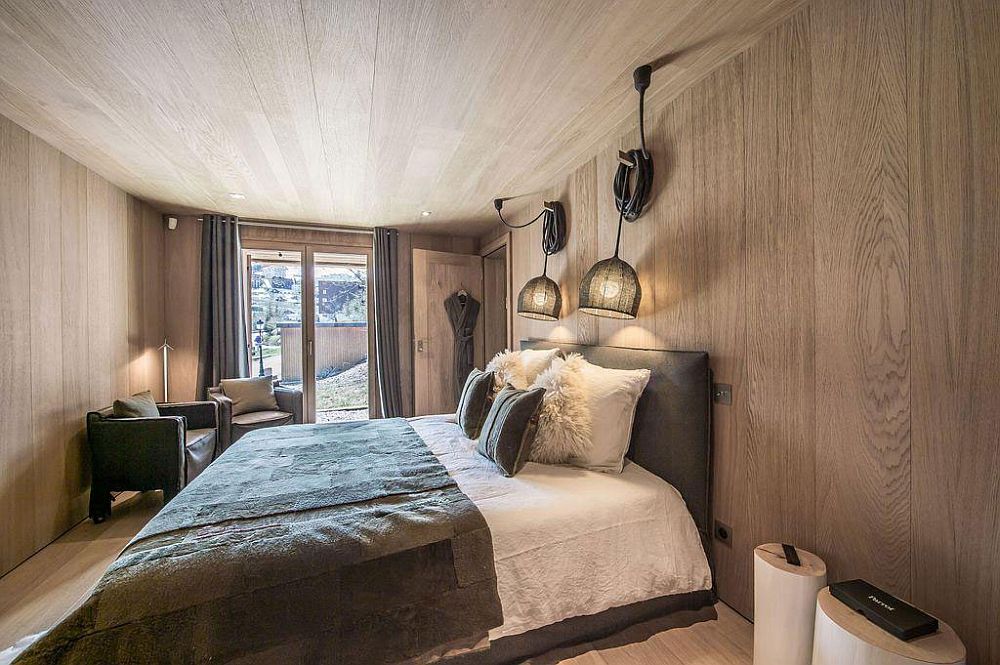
{"type": "Point", "coordinates": [341, 348]}
{"type": "Point", "coordinates": [276, 314]}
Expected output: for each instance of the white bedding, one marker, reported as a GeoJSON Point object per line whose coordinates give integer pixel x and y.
{"type": "Point", "coordinates": [571, 542]}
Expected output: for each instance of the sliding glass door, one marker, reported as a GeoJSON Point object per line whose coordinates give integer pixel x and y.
{"type": "Point", "coordinates": [275, 311]}
{"type": "Point", "coordinates": [340, 331]}
{"type": "Point", "coordinates": [308, 314]}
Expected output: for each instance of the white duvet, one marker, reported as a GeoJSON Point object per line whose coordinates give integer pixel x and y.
{"type": "Point", "coordinates": [571, 542]}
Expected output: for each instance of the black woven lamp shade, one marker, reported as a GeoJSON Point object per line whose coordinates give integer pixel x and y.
{"type": "Point", "coordinates": [540, 299]}
{"type": "Point", "coordinates": [611, 288]}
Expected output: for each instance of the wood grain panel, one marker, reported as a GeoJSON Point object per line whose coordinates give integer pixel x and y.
{"type": "Point", "coordinates": [153, 331]}
{"type": "Point", "coordinates": [119, 291]}
{"type": "Point", "coordinates": [953, 59]}
{"type": "Point", "coordinates": [495, 303]}
{"type": "Point", "coordinates": [672, 215]}
{"type": "Point", "coordinates": [16, 474]}
{"type": "Point", "coordinates": [862, 317]}
{"type": "Point", "coordinates": [48, 445]}
{"type": "Point", "coordinates": [134, 300]}
{"type": "Point", "coordinates": [582, 247]}
{"type": "Point", "coordinates": [714, 254]}
{"type": "Point", "coordinates": [351, 112]}
{"type": "Point", "coordinates": [64, 347]}
{"type": "Point", "coordinates": [76, 322]}
{"type": "Point", "coordinates": [99, 283]}
{"type": "Point", "coordinates": [780, 360]}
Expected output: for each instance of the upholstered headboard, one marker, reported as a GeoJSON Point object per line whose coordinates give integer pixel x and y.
{"type": "Point", "coordinates": [671, 435]}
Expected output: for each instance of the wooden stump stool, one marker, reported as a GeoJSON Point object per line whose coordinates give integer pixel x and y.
{"type": "Point", "coordinates": [784, 605]}
{"type": "Point", "coordinates": [846, 637]}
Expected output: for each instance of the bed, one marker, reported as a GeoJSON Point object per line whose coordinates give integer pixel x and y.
{"type": "Point", "coordinates": [670, 465]}
{"type": "Point", "coordinates": [394, 541]}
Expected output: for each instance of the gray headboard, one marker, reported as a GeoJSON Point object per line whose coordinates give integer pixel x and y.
{"type": "Point", "coordinates": [671, 435]}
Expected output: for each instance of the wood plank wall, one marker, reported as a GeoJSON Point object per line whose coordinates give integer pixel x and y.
{"type": "Point", "coordinates": [82, 315]}
{"type": "Point", "coordinates": [825, 226]}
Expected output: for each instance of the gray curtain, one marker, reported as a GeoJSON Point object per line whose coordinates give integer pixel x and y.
{"type": "Point", "coordinates": [222, 350]}
{"type": "Point", "coordinates": [390, 385]}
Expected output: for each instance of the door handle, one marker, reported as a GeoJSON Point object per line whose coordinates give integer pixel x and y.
{"type": "Point", "coordinates": [420, 346]}
{"type": "Point", "coordinates": [309, 348]}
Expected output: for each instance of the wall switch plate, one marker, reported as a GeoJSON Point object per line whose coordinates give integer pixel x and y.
{"type": "Point", "coordinates": [723, 533]}
{"type": "Point", "coordinates": [722, 393]}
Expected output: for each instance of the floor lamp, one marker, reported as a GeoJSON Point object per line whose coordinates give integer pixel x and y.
{"type": "Point", "coordinates": [166, 348]}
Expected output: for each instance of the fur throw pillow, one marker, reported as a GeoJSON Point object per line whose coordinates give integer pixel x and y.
{"type": "Point", "coordinates": [507, 369]}
{"type": "Point", "coordinates": [564, 421]}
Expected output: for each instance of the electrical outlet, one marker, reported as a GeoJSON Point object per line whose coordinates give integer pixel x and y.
{"type": "Point", "coordinates": [722, 393]}
{"type": "Point", "coordinates": [723, 533]}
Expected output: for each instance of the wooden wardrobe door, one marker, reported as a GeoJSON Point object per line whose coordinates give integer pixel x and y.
{"type": "Point", "coordinates": [437, 275]}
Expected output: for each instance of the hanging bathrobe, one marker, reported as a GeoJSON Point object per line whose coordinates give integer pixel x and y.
{"type": "Point", "coordinates": [462, 312]}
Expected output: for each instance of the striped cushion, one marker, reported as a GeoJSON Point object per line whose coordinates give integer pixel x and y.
{"type": "Point", "coordinates": [510, 427]}
{"type": "Point", "coordinates": [474, 404]}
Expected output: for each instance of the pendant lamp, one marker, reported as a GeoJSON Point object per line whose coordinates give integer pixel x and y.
{"type": "Point", "coordinates": [540, 298]}
{"type": "Point", "coordinates": [611, 287]}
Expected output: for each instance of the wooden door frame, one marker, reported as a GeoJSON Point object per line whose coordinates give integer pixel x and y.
{"type": "Point", "coordinates": [307, 251]}
{"type": "Point", "coordinates": [502, 242]}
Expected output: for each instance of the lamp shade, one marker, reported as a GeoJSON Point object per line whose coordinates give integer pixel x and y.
{"type": "Point", "coordinates": [540, 299]}
{"type": "Point", "coordinates": [611, 288]}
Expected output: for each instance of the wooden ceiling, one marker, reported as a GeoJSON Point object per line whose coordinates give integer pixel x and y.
{"type": "Point", "coordinates": [351, 112]}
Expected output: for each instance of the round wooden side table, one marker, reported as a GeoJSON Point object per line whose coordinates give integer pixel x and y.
{"type": "Point", "coordinates": [784, 605]}
{"type": "Point", "coordinates": [846, 637]}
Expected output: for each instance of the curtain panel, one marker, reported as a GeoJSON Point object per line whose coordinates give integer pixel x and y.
{"type": "Point", "coordinates": [222, 352]}
{"type": "Point", "coordinates": [386, 294]}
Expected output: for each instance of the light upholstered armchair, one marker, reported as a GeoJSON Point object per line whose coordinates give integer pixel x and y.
{"type": "Point", "coordinates": [255, 403]}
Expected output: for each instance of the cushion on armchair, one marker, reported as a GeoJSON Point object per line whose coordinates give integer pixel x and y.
{"type": "Point", "coordinates": [249, 395]}
{"type": "Point", "coordinates": [140, 405]}
{"type": "Point", "coordinates": [263, 419]}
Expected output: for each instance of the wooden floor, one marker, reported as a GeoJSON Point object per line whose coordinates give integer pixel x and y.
{"type": "Point", "coordinates": [36, 594]}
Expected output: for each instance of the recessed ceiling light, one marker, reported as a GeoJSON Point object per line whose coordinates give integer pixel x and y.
{"type": "Point", "coordinates": [425, 213]}
{"type": "Point", "coordinates": [236, 196]}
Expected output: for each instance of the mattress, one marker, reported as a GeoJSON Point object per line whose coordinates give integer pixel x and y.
{"type": "Point", "coordinates": [571, 542]}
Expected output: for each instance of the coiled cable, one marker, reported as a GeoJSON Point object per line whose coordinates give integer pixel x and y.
{"type": "Point", "coordinates": [631, 198]}
{"type": "Point", "coordinates": [553, 217]}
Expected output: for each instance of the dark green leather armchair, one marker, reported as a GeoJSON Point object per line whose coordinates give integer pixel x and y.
{"type": "Point", "coordinates": [162, 453]}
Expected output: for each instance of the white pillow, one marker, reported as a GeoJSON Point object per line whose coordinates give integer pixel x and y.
{"type": "Point", "coordinates": [564, 421]}
{"type": "Point", "coordinates": [613, 395]}
{"type": "Point", "coordinates": [520, 368]}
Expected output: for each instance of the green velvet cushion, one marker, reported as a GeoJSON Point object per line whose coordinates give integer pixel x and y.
{"type": "Point", "coordinates": [140, 405]}
{"type": "Point", "coordinates": [509, 429]}
{"type": "Point", "coordinates": [474, 404]}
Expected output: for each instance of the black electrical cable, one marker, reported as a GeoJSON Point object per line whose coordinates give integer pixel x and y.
{"type": "Point", "coordinates": [630, 199]}
{"type": "Point", "coordinates": [553, 217]}
{"type": "Point", "coordinates": [515, 226]}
